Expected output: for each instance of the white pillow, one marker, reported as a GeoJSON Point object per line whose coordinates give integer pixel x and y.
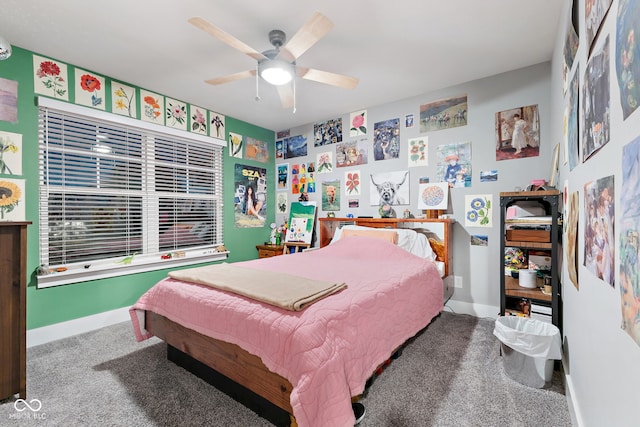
{"type": "Point", "coordinates": [409, 240]}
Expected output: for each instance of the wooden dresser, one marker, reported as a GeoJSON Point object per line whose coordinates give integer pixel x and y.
{"type": "Point", "coordinates": [267, 251]}
{"type": "Point", "coordinates": [13, 295]}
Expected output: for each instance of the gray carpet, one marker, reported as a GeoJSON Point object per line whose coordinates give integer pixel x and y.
{"type": "Point", "coordinates": [449, 375]}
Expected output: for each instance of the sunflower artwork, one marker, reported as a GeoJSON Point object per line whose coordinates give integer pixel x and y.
{"type": "Point", "coordinates": [11, 200]}
{"type": "Point", "coordinates": [478, 211]}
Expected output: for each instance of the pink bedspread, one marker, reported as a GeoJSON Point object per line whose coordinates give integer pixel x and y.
{"type": "Point", "coordinates": [329, 350]}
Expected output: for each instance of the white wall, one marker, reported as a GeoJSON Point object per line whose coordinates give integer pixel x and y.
{"type": "Point", "coordinates": [601, 360]}
{"type": "Point", "coordinates": [478, 266]}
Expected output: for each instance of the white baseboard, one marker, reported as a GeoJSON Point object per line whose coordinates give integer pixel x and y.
{"type": "Point", "coordinates": [73, 327]}
{"type": "Point", "coordinates": [478, 310]}
{"type": "Point", "coordinates": [574, 409]}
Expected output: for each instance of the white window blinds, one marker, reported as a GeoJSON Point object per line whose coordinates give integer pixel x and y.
{"type": "Point", "coordinates": [110, 189]}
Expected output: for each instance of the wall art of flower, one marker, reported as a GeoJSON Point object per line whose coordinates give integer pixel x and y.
{"type": "Point", "coordinates": [89, 89]}
{"type": "Point", "coordinates": [12, 200]}
{"type": "Point", "coordinates": [478, 211]}
{"type": "Point", "coordinates": [352, 183]}
{"type": "Point", "coordinates": [10, 153]}
{"type": "Point", "coordinates": [216, 122]}
{"type": "Point", "coordinates": [176, 114]}
{"type": "Point", "coordinates": [199, 121]}
{"type": "Point", "coordinates": [358, 123]}
{"type": "Point", "coordinates": [152, 107]}
{"type": "Point", "coordinates": [235, 145]}
{"type": "Point", "coordinates": [324, 162]}
{"type": "Point", "coordinates": [50, 78]}
{"type": "Point", "coordinates": [418, 153]}
{"type": "Point", "coordinates": [123, 100]}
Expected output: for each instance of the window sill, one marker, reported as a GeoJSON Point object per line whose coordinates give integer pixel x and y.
{"type": "Point", "coordinates": [140, 264]}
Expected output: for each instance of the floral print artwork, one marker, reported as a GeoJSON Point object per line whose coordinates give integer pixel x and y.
{"type": "Point", "coordinates": [123, 100]}
{"type": "Point", "coordinates": [12, 200]}
{"type": "Point", "coordinates": [10, 153]}
{"type": "Point", "coordinates": [358, 123]}
{"type": "Point", "coordinates": [199, 122]}
{"type": "Point", "coordinates": [352, 183]}
{"type": "Point", "coordinates": [50, 78]}
{"type": "Point", "coordinates": [176, 114]}
{"type": "Point", "coordinates": [89, 89]}
{"type": "Point", "coordinates": [152, 107]}
{"type": "Point", "coordinates": [478, 211]}
{"type": "Point", "coordinates": [216, 125]}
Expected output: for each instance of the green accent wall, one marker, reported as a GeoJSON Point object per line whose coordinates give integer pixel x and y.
{"type": "Point", "coordinates": [61, 303]}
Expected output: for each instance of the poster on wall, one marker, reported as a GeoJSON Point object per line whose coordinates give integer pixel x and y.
{"type": "Point", "coordinates": [351, 153]}
{"type": "Point", "coordinates": [570, 48]}
{"type": "Point", "coordinates": [389, 188]}
{"type": "Point", "coordinates": [236, 142]}
{"type": "Point", "coordinates": [358, 123]}
{"type": "Point", "coordinates": [256, 150]}
{"type": "Point", "coordinates": [89, 89]}
{"type": "Point", "coordinates": [250, 196]}
{"type": "Point", "coordinates": [10, 153]}
{"type": "Point", "coordinates": [283, 176]}
{"type": "Point", "coordinates": [12, 199]}
{"type": "Point", "coordinates": [572, 238]}
{"type": "Point", "coordinates": [8, 100]}
{"type": "Point", "coordinates": [386, 139]}
{"type": "Point", "coordinates": [595, 104]}
{"type": "Point", "coordinates": [50, 78]}
{"type": "Point", "coordinates": [352, 183]}
{"type": "Point", "coordinates": [151, 107]}
{"type": "Point", "coordinates": [571, 122]}
{"type": "Point", "coordinates": [217, 123]}
{"type": "Point", "coordinates": [454, 164]}
{"type": "Point", "coordinates": [198, 121]}
{"type": "Point", "coordinates": [443, 114]}
{"type": "Point", "coordinates": [599, 243]}
{"type": "Point", "coordinates": [329, 132]}
{"type": "Point", "coordinates": [175, 114]}
{"type": "Point", "coordinates": [418, 154]}
{"type": "Point", "coordinates": [123, 100]}
{"type": "Point", "coordinates": [628, 55]}
{"type": "Point", "coordinates": [295, 146]}
{"type": "Point", "coordinates": [331, 195]}
{"type": "Point", "coordinates": [324, 162]}
{"type": "Point", "coordinates": [594, 13]}
{"type": "Point", "coordinates": [630, 240]}
{"type": "Point", "coordinates": [282, 203]}
{"type": "Point", "coordinates": [478, 210]}
{"type": "Point", "coordinates": [517, 133]}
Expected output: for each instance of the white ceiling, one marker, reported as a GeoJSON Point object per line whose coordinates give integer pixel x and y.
{"type": "Point", "coordinates": [397, 49]}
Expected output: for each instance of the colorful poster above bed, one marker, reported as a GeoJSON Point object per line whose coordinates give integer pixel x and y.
{"type": "Point", "coordinates": [250, 196]}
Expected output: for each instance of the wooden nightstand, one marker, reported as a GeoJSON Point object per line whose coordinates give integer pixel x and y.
{"type": "Point", "coordinates": [266, 251]}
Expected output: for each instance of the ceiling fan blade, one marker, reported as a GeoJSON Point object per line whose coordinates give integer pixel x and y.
{"type": "Point", "coordinates": [312, 31]}
{"type": "Point", "coordinates": [231, 77]}
{"type": "Point", "coordinates": [286, 95]}
{"type": "Point", "coordinates": [326, 77]}
{"type": "Point", "coordinates": [225, 37]}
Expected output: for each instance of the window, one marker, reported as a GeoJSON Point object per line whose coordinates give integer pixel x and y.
{"type": "Point", "coordinates": [119, 195]}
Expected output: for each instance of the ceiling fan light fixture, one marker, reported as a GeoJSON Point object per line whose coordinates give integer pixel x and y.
{"type": "Point", "coordinates": [5, 49]}
{"type": "Point", "coordinates": [275, 71]}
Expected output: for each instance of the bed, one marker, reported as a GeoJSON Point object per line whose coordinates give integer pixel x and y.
{"type": "Point", "coordinates": [308, 363]}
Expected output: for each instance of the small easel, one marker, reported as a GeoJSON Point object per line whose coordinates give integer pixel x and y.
{"type": "Point", "coordinates": [294, 247]}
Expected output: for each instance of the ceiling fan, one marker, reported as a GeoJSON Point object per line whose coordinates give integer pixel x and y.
{"type": "Point", "coordinates": [277, 66]}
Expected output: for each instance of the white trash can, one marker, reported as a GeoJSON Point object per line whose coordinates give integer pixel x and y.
{"type": "Point", "coordinates": [529, 347]}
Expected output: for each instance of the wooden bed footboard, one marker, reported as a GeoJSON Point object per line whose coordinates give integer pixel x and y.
{"type": "Point", "coordinates": [227, 359]}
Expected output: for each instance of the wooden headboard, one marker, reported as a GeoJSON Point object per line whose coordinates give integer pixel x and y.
{"type": "Point", "coordinates": [440, 228]}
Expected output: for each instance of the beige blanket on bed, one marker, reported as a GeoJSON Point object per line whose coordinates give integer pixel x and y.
{"type": "Point", "coordinates": [279, 289]}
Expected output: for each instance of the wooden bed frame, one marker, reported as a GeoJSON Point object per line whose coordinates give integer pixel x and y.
{"type": "Point", "coordinates": [237, 372]}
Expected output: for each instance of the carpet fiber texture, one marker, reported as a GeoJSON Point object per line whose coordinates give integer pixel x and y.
{"type": "Point", "coordinates": [451, 374]}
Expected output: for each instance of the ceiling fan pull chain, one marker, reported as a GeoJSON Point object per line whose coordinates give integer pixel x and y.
{"type": "Point", "coordinates": [294, 94]}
